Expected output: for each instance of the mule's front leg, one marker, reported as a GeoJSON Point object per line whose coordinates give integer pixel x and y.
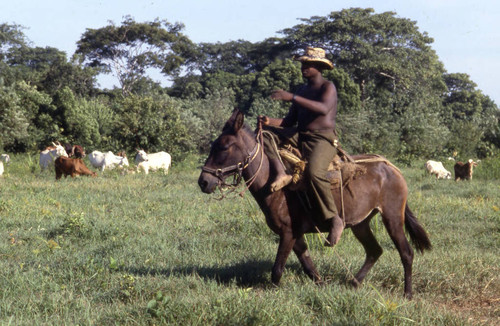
{"type": "Point", "coordinates": [300, 249]}
{"type": "Point", "coordinates": [285, 247]}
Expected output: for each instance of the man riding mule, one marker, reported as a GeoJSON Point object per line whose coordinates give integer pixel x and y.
{"type": "Point", "coordinates": [313, 112]}
{"type": "Point", "coordinates": [381, 188]}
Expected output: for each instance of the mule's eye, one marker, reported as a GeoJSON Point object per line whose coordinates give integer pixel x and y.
{"type": "Point", "coordinates": [222, 147]}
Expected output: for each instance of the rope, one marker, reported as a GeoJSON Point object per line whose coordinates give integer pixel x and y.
{"type": "Point", "coordinates": [260, 142]}
{"type": "Point", "coordinates": [274, 145]}
{"type": "Point", "coordinates": [342, 198]}
{"type": "Point", "coordinates": [378, 159]}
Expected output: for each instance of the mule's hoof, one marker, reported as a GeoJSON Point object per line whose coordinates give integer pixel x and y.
{"type": "Point", "coordinates": [408, 296]}
{"type": "Point", "coordinates": [319, 282]}
{"type": "Point", "coordinates": [354, 283]}
{"type": "Point", "coordinates": [281, 182]}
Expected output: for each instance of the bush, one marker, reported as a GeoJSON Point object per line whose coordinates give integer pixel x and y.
{"type": "Point", "coordinates": [153, 124]}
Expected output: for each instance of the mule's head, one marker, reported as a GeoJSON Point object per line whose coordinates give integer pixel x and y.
{"type": "Point", "coordinates": [227, 153]}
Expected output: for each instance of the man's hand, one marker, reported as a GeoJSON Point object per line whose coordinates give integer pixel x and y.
{"type": "Point", "coordinates": [263, 120]}
{"type": "Point", "coordinates": [281, 95]}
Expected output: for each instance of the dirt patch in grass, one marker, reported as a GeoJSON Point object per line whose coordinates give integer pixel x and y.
{"type": "Point", "coordinates": [477, 311]}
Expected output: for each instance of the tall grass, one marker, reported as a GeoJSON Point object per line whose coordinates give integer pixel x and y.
{"type": "Point", "coordinates": [141, 250]}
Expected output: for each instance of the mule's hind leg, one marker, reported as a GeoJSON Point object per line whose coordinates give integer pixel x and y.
{"type": "Point", "coordinates": [364, 234]}
{"type": "Point", "coordinates": [394, 225]}
{"type": "Point", "coordinates": [300, 249]}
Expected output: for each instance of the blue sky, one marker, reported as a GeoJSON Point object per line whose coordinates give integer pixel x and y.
{"type": "Point", "coordinates": [465, 32]}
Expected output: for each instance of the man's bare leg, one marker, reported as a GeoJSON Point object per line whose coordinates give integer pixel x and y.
{"type": "Point", "coordinates": [282, 179]}
{"type": "Point", "coordinates": [336, 228]}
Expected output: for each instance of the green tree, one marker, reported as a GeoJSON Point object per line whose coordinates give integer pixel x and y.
{"type": "Point", "coordinates": [472, 117]}
{"type": "Point", "coordinates": [19, 116]}
{"type": "Point", "coordinates": [78, 118]}
{"type": "Point", "coordinates": [205, 117]}
{"type": "Point", "coordinates": [382, 49]}
{"type": "Point", "coordinates": [13, 122]}
{"type": "Point", "coordinates": [11, 38]}
{"type": "Point", "coordinates": [240, 57]}
{"type": "Point", "coordinates": [152, 123]}
{"type": "Point", "coordinates": [49, 69]}
{"type": "Point", "coordinates": [130, 49]}
{"type": "Point", "coordinates": [231, 57]}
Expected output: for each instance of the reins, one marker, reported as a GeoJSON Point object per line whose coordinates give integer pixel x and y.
{"type": "Point", "coordinates": [260, 144]}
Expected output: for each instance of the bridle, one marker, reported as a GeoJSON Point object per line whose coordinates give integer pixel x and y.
{"type": "Point", "coordinates": [236, 170]}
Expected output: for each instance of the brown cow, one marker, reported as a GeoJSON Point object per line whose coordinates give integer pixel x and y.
{"type": "Point", "coordinates": [463, 171]}
{"type": "Point", "coordinates": [71, 166]}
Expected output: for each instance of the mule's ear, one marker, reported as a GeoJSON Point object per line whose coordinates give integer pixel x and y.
{"type": "Point", "coordinates": [235, 122]}
{"type": "Point", "coordinates": [239, 121]}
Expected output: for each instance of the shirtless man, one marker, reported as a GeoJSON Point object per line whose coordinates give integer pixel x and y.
{"type": "Point", "coordinates": [310, 126]}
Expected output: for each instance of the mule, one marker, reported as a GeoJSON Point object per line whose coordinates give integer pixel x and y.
{"type": "Point", "coordinates": [381, 189]}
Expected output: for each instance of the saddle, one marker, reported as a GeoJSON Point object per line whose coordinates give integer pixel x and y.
{"type": "Point", "coordinates": [341, 171]}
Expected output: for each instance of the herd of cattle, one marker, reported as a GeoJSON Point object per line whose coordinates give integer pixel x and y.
{"type": "Point", "coordinates": [68, 160]}
{"type": "Point", "coordinates": [463, 171]}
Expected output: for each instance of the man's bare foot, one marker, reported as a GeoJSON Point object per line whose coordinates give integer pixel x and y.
{"type": "Point", "coordinates": [336, 229]}
{"type": "Point", "coordinates": [280, 182]}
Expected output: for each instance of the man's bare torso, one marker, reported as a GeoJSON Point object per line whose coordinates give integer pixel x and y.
{"type": "Point", "coordinates": [309, 120]}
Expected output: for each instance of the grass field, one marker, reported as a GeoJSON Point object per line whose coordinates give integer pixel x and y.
{"type": "Point", "coordinates": [150, 250]}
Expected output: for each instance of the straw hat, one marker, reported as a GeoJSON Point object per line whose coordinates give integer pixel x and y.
{"type": "Point", "coordinates": [315, 55]}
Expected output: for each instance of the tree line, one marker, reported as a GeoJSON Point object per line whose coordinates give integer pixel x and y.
{"type": "Point", "coordinates": [395, 97]}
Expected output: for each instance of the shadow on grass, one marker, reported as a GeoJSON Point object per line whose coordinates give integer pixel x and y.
{"type": "Point", "coordinates": [253, 273]}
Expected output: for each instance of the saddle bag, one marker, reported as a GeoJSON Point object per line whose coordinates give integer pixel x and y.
{"type": "Point", "coordinates": [341, 171]}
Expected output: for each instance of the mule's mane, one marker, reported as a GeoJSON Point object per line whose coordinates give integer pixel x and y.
{"type": "Point", "coordinates": [246, 128]}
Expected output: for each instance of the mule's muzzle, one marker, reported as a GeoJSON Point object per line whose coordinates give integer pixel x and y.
{"type": "Point", "coordinates": [207, 183]}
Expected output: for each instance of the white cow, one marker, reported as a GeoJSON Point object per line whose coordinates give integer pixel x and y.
{"type": "Point", "coordinates": [48, 155]}
{"type": "Point", "coordinates": [107, 160]}
{"type": "Point", "coordinates": [153, 161]}
{"type": "Point", "coordinates": [5, 158]}
{"type": "Point", "coordinates": [437, 168]}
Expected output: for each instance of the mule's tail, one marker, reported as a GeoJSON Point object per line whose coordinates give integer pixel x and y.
{"type": "Point", "coordinates": [418, 236]}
